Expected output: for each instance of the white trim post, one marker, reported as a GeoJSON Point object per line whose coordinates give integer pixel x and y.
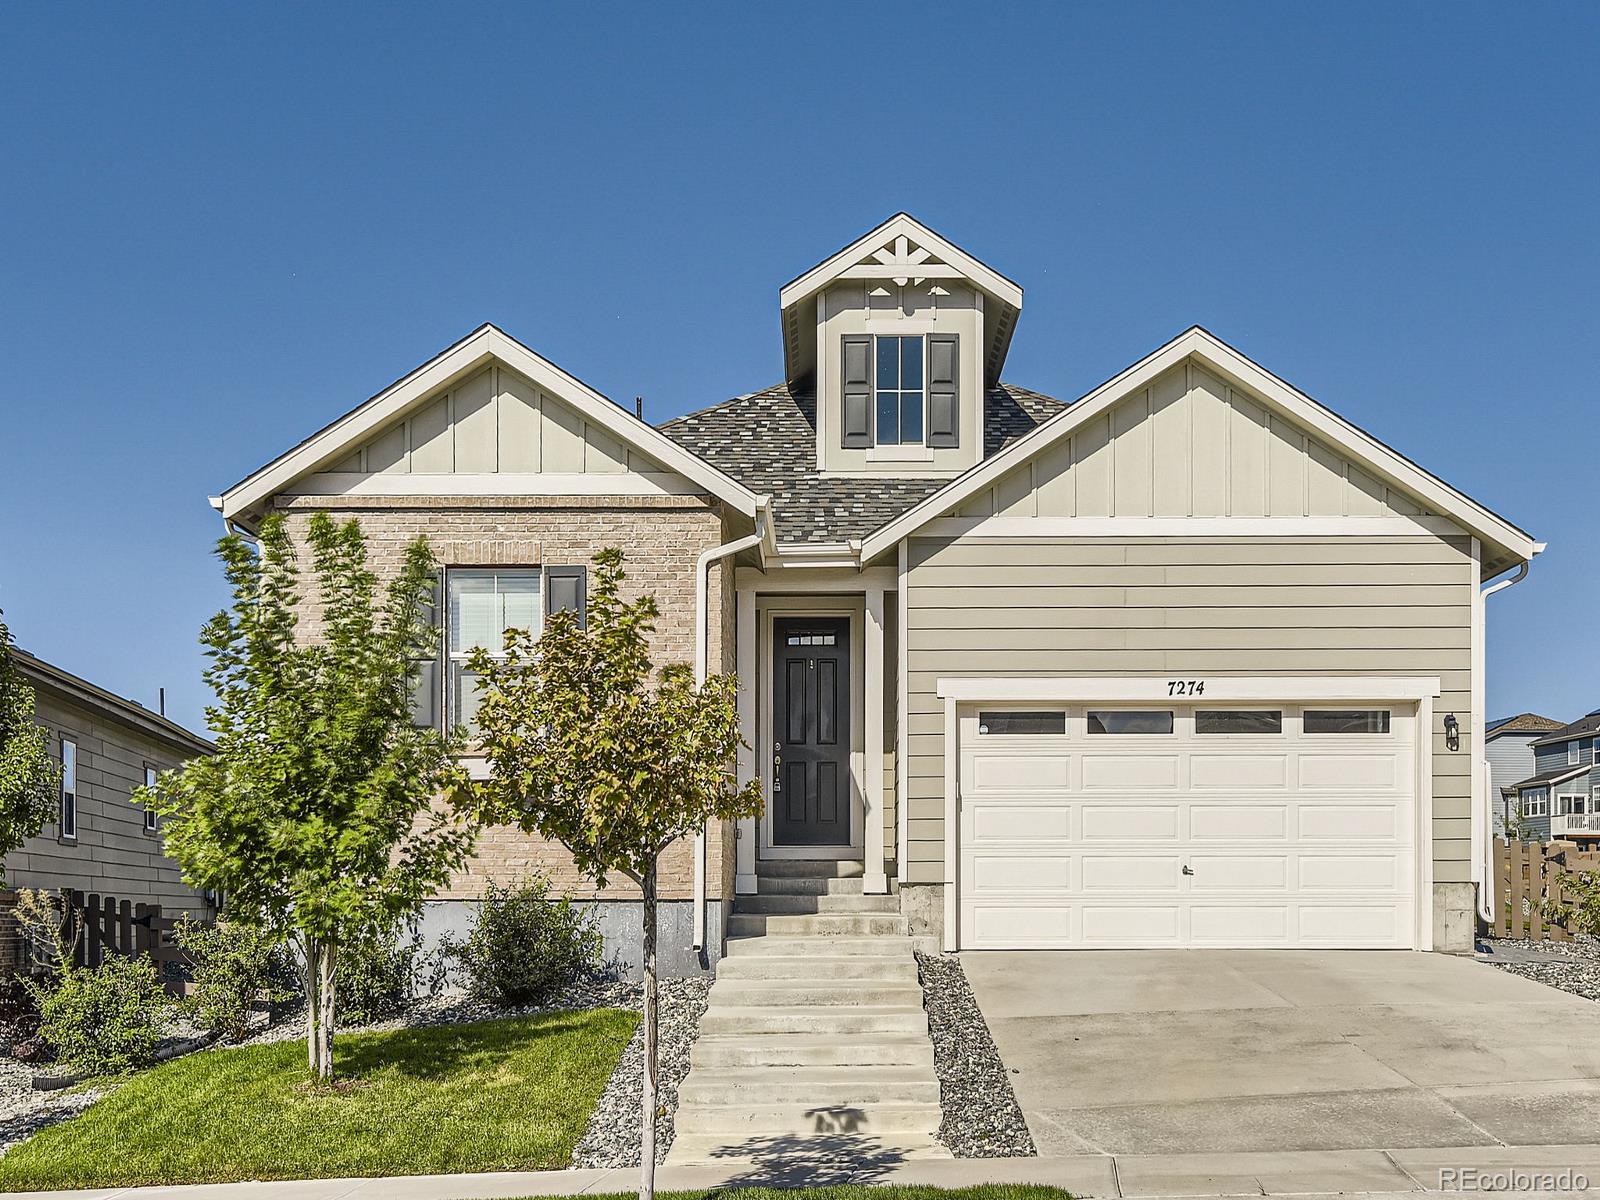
{"type": "Point", "coordinates": [875, 882]}
{"type": "Point", "coordinates": [744, 882]}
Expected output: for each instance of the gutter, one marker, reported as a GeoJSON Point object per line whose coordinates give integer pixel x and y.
{"type": "Point", "coordinates": [702, 606]}
{"type": "Point", "coordinates": [1482, 822]}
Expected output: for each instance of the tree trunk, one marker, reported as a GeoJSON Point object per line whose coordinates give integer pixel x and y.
{"type": "Point", "coordinates": [320, 1008]}
{"type": "Point", "coordinates": [647, 1151]}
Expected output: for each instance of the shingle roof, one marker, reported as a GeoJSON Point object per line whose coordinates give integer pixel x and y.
{"type": "Point", "coordinates": [1554, 775]}
{"type": "Point", "coordinates": [767, 440]}
{"type": "Point", "coordinates": [1580, 727]}
{"type": "Point", "coordinates": [1525, 723]}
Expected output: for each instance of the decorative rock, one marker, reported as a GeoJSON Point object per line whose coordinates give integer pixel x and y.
{"type": "Point", "coordinates": [1570, 966]}
{"type": "Point", "coordinates": [981, 1116]}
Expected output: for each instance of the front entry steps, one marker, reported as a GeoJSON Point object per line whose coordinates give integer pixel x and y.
{"type": "Point", "coordinates": [814, 1047]}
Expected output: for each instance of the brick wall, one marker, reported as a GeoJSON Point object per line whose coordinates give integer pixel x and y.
{"type": "Point", "coordinates": [660, 536]}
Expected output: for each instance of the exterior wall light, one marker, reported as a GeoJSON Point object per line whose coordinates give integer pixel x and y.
{"type": "Point", "coordinates": [1452, 732]}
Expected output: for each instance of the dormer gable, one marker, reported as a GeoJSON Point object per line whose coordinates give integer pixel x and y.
{"type": "Point", "coordinates": [898, 334]}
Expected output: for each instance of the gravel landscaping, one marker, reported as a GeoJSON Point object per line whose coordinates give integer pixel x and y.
{"type": "Point", "coordinates": [1571, 966]}
{"type": "Point", "coordinates": [612, 1139]}
{"type": "Point", "coordinates": [981, 1116]}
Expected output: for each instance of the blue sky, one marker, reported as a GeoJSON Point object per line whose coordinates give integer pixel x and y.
{"type": "Point", "coordinates": [222, 225]}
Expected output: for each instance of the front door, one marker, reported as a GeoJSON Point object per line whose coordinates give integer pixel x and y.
{"type": "Point", "coordinates": [811, 724]}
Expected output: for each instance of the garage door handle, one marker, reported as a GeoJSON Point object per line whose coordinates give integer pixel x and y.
{"type": "Point", "coordinates": [1187, 869]}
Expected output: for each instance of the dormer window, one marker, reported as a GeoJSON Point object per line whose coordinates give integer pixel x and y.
{"type": "Point", "coordinates": [900, 390]}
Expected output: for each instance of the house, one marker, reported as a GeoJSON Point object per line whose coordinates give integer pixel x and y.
{"type": "Point", "coordinates": [1508, 746]}
{"type": "Point", "coordinates": [105, 746]}
{"type": "Point", "coordinates": [1561, 798]}
{"type": "Point", "coordinates": [1189, 661]}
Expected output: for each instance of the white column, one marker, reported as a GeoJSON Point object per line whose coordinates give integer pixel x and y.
{"type": "Point", "coordinates": [876, 882]}
{"type": "Point", "coordinates": [744, 879]}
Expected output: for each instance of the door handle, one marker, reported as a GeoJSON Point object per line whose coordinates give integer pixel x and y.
{"type": "Point", "coordinates": [1187, 869]}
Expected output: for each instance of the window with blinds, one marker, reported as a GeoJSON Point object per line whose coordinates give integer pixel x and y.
{"type": "Point", "coordinates": [481, 605]}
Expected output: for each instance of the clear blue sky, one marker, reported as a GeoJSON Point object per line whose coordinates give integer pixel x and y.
{"type": "Point", "coordinates": [223, 225]}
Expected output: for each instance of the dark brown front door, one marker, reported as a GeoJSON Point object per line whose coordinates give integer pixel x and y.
{"type": "Point", "coordinates": [811, 721]}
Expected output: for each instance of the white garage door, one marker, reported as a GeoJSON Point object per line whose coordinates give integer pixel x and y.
{"type": "Point", "coordinates": [1284, 825]}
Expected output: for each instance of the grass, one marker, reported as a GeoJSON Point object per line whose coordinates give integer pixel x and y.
{"type": "Point", "coordinates": [512, 1094]}
{"type": "Point", "coordinates": [855, 1191]}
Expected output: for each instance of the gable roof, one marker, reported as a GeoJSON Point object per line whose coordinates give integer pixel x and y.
{"type": "Point", "coordinates": [768, 441]}
{"type": "Point", "coordinates": [1553, 776]}
{"type": "Point", "coordinates": [483, 345]}
{"type": "Point", "coordinates": [1505, 545]}
{"type": "Point", "coordinates": [900, 249]}
{"type": "Point", "coordinates": [1531, 723]}
{"type": "Point", "coordinates": [1582, 727]}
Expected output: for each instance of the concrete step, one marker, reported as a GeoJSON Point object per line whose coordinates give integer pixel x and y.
{"type": "Point", "coordinates": [819, 992]}
{"type": "Point", "coordinates": [809, 868]}
{"type": "Point", "coordinates": [757, 1019]}
{"type": "Point", "coordinates": [821, 1087]}
{"type": "Point", "coordinates": [822, 924]}
{"type": "Point", "coordinates": [816, 1153]}
{"type": "Point", "coordinates": [800, 1120]}
{"type": "Point", "coordinates": [757, 945]}
{"type": "Point", "coordinates": [811, 1050]}
{"type": "Point", "coordinates": [816, 904]}
{"type": "Point", "coordinates": [800, 885]}
{"type": "Point", "coordinates": [899, 968]}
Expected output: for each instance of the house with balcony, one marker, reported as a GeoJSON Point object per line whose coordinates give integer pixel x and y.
{"type": "Point", "coordinates": [1508, 747]}
{"type": "Point", "coordinates": [1561, 799]}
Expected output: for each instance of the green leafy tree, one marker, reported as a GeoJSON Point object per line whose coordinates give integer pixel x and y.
{"type": "Point", "coordinates": [317, 815]}
{"type": "Point", "coordinates": [28, 776]}
{"type": "Point", "coordinates": [588, 744]}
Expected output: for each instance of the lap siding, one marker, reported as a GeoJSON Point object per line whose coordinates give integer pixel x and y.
{"type": "Point", "coordinates": [1190, 606]}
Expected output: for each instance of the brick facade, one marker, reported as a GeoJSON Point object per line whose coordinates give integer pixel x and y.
{"type": "Point", "coordinates": [660, 536]}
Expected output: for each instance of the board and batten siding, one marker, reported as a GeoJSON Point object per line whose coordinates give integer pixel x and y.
{"type": "Point", "coordinates": [1188, 607]}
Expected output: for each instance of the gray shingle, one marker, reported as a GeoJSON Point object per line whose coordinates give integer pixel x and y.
{"type": "Point", "coordinates": [768, 442]}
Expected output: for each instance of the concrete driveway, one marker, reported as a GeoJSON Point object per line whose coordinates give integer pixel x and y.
{"type": "Point", "coordinates": [1184, 1052]}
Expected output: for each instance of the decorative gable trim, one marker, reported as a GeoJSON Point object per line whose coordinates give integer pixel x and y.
{"type": "Point", "coordinates": [1513, 545]}
{"type": "Point", "coordinates": [486, 344]}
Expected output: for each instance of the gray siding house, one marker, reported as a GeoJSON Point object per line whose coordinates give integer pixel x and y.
{"type": "Point", "coordinates": [1561, 799]}
{"type": "Point", "coordinates": [106, 746]}
{"type": "Point", "coordinates": [1508, 747]}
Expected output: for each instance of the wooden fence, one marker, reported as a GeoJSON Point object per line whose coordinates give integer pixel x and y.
{"type": "Point", "coordinates": [95, 925]}
{"type": "Point", "coordinates": [1528, 878]}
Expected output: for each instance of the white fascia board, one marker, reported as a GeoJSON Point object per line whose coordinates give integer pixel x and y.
{"type": "Point", "coordinates": [901, 224]}
{"type": "Point", "coordinates": [482, 346]}
{"type": "Point", "coordinates": [1217, 356]}
{"type": "Point", "coordinates": [1135, 689]}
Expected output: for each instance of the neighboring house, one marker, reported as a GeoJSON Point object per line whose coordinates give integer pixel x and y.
{"type": "Point", "coordinates": [1177, 664]}
{"type": "Point", "coordinates": [1561, 798]}
{"type": "Point", "coordinates": [100, 842]}
{"type": "Point", "coordinates": [1508, 746]}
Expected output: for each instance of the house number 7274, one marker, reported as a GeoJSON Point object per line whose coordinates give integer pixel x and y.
{"type": "Point", "coordinates": [1186, 687]}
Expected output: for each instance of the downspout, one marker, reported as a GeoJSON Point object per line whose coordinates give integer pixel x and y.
{"type": "Point", "coordinates": [1483, 821]}
{"type": "Point", "coordinates": [702, 608]}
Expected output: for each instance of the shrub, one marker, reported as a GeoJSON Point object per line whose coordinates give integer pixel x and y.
{"type": "Point", "coordinates": [379, 975]}
{"type": "Point", "coordinates": [232, 966]}
{"type": "Point", "coordinates": [524, 946]}
{"type": "Point", "coordinates": [105, 1020]}
{"type": "Point", "coordinates": [1581, 911]}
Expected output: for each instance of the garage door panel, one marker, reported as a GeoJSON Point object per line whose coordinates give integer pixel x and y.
{"type": "Point", "coordinates": [1079, 840]}
{"type": "Point", "coordinates": [1130, 822]}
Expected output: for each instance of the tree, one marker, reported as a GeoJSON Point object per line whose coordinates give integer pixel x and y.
{"type": "Point", "coordinates": [317, 816]}
{"type": "Point", "coordinates": [28, 777]}
{"type": "Point", "coordinates": [589, 745]}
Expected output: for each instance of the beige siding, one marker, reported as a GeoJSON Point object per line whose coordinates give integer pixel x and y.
{"type": "Point", "coordinates": [112, 854]}
{"type": "Point", "coordinates": [1189, 445]}
{"type": "Point", "coordinates": [1241, 606]}
{"type": "Point", "coordinates": [495, 422]}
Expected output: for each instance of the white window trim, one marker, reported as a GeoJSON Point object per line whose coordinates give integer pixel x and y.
{"type": "Point", "coordinates": [1574, 753]}
{"type": "Point", "coordinates": [150, 773]}
{"type": "Point", "coordinates": [69, 792]}
{"type": "Point", "coordinates": [900, 450]}
{"type": "Point", "coordinates": [452, 657]}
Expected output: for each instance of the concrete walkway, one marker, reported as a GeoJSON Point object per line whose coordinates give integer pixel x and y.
{"type": "Point", "coordinates": [1370, 1174]}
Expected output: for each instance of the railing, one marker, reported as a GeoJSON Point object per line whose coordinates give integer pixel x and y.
{"type": "Point", "coordinates": [1530, 880]}
{"type": "Point", "coordinates": [1574, 823]}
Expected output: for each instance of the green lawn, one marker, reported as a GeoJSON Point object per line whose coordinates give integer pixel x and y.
{"type": "Point", "coordinates": [856, 1191]}
{"type": "Point", "coordinates": [513, 1094]}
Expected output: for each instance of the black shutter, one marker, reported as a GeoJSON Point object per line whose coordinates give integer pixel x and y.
{"type": "Point", "coordinates": [856, 409]}
{"type": "Point", "coordinates": [566, 589]}
{"type": "Point", "coordinates": [426, 688]}
{"type": "Point", "coordinates": [944, 392]}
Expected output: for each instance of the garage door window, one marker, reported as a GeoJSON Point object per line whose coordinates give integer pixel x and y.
{"type": "Point", "coordinates": [1016, 722]}
{"type": "Point", "coordinates": [1347, 720]}
{"type": "Point", "coordinates": [1125, 721]}
{"type": "Point", "coordinates": [1238, 720]}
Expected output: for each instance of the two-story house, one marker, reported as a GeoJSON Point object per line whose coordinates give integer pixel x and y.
{"type": "Point", "coordinates": [1508, 747]}
{"type": "Point", "coordinates": [1561, 799]}
{"type": "Point", "coordinates": [1188, 661]}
